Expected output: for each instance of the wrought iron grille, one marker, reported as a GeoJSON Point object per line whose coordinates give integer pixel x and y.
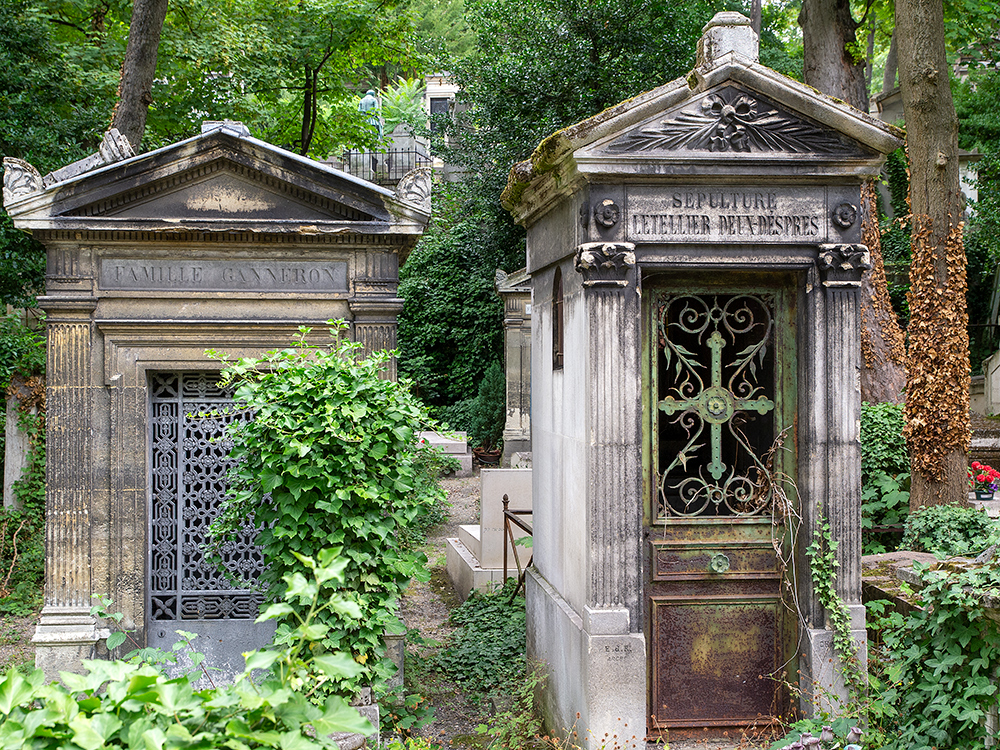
{"type": "Point", "coordinates": [190, 458]}
{"type": "Point", "coordinates": [384, 168]}
{"type": "Point", "coordinates": [715, 404]}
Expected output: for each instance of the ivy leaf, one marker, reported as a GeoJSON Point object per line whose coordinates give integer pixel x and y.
{"type": "Point", "coordinates": [337, 665]}
{"type": "Point", "coordinates": [14, 691]}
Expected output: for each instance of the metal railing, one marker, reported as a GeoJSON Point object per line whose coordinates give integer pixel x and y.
{"type": "Point", "coordinates": [385, 168]}
{"type": "Point", "coordinates": [511, 517]}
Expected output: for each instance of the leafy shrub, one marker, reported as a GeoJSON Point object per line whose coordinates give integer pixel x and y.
{"type": "Point", "coordinates": [22, 528]}
{"type": "Point", "coordinates": [885, 501]}
{"type": "Point", "coordinates": [489, 411]}
{"type": "Point", "coordinates": [331, 458]}
{"type": "Point", "coordinates": [121, 704]}
{"type": "Point", "coordinates": [488, 652]}
{"type": "Point", "coordinates": [22, 350]}
{"type": "Point", "coordinates": [947, 531]}
{"type": "Point", "coordinates": [944, 660]}
{"type": "Point", "coordinates": [883, 449]}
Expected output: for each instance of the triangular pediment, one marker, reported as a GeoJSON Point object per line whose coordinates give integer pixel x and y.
{"type": "Point", "coordinates": [730, 119]}
{"type": "Point", "coordinates": [223, 190]}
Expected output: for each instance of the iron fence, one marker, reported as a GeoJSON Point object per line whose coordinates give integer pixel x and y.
{"type": "Point", "coordinates": [385, 168]}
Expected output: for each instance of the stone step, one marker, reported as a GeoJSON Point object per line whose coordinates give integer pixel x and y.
{"type": "Point", "coordinates": [469, 535]}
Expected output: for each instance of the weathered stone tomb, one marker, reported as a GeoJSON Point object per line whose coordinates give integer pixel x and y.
{"type": "Point", "coordinates": [217, 242]}
{"type": "Point", "coordinates": [695, 261]}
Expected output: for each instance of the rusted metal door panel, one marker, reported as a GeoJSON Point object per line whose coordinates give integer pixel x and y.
{"type": "Point", "coordinates": [711, 655]}
{"type": "Point", "coordinates": [721, 435]}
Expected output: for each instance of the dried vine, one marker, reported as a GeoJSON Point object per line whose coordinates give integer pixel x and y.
{"type": "Point", "coordinates": [882, 344]}
{"type": "Point", "coordinates": [937, 416]}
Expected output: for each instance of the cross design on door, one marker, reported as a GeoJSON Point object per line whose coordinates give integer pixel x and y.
{"type": "Point", "coordinates": [720, 393]}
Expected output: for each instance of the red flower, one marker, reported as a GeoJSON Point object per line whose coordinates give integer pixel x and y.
{"type": "Point", "coordinates": [976, 465]}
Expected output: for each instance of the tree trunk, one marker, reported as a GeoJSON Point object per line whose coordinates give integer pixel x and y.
{"type": "Point", "coordinates": [828, 32]}
{"type": "Point", "coordinates": [883, 347]}
{"type": "Point", "coordinates": [832, 61]}
{"type": "Point", "coordinates": [937, 404]}
{"type": "Point", "coordinates": [135, 92]}
{"type": "Point", "coordinates": [889, 74]}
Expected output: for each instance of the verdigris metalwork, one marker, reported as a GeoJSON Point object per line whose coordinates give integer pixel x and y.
{"type": "Point", "coordinates": [700, 394]}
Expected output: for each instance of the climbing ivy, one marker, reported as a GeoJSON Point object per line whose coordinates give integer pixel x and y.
{"type": "Point", "coordinates": [822, 554]}
{"type": "Point", "coordinates": [330, 459]}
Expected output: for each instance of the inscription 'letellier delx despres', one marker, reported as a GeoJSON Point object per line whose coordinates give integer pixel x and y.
{"type": "Point", "coordinates": [727, 213]}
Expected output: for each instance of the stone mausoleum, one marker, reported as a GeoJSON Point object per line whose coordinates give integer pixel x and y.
{"type": "Point", "coordinates": [218, 242]}
{"type": "Point", "coordinates": [695, 260]}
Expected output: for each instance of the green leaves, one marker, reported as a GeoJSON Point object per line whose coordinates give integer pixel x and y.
{"type": "Point", "coordinates": [331, 473]}
{"type": "Point", "coordinates": [119, 704]}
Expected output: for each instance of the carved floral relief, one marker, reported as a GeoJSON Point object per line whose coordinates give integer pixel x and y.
{"type": "Point", "coordinates": [732, 120]}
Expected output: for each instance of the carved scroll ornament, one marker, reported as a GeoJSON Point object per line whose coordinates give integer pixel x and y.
{"type": "Point", "coordinates": [19, 179]}
{"type": "Point", "coordinates": [605, 264]}
{"type": "Point", "coordinates": [732, 120]}
{"type": "Point", "coordinates": [415, 187]}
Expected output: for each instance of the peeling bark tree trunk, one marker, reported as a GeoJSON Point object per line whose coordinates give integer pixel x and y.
{"type": "Point", "coordinates": [828, 30]}
{"type": "Point", "coordinates": [937, 404]}
{"type": "Point", "coordinates": [135, 92]}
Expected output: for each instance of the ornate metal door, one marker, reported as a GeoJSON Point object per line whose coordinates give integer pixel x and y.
{"type": "Point", "coordinates": [189, 458]}
{"type": "Point", "coordinates": [722, 427]}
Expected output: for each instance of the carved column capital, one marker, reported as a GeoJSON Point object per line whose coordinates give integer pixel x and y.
{"type": "Point", "coordinates": [605, 265]}
{"type": "Point", "coordinates": [843, 265]}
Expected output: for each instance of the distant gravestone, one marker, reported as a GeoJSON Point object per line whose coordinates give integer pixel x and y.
{"type": "Point", "coordinates": [695, 266]}
{"type": "Point", "coordinates": [217, 242]}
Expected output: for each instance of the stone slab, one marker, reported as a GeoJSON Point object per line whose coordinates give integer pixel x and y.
{"type": "Point", "coordinates": [467, 575]}
{"type": "Point", "coordinates": [449, 442]}
{"type": "Point", "coordinates": [702, 214]}
{"type": "Point", "coordinates": [468, 534]}
{"type": "Point", "coordinates": [205, 275]}
{"type": "Point", "coordinates": [494, 484]}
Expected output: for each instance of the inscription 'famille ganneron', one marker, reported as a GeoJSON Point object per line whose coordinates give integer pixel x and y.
{"type": "Point", "coordinates": [771, 216]}
{"type": "Point", "coordinates": [215, 275]}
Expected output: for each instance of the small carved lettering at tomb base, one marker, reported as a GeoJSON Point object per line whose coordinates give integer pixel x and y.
{"type": "Point", "coordinates": [698, 214]}
{"type": "Point", "coordinates": [223, 276]}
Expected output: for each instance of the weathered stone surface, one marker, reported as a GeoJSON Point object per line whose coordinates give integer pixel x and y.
{"type": "Point", "coordinates": [732, 181]}
{"type": "Point", "coordinates": [219, 242]}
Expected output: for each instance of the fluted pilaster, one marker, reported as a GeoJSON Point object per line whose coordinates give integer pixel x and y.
{"type": "Point", "coordinates": [615, 452]}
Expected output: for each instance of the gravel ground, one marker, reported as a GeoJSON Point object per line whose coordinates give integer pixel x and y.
{"type": "Point", "coordinates": [425, 607]}
{"type": "Point", "coordinates": [15, 641]}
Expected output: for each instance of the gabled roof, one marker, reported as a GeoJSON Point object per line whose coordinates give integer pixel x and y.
{"type": "Point", "coordinates": [729, 118]}
{"type": "Point", "coordinates": [221, 180]}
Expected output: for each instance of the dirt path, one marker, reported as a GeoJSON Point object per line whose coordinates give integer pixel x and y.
{"type": "Point", "coordinates": [425, 607]}
{"type": "Point", "coordinates": [15, 641]}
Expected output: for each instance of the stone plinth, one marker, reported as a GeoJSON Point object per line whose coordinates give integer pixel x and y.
{"type": "Point", "coordinates": [475, 557]}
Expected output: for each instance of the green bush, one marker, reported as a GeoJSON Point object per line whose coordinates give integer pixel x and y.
{"type": "Point", "coordinates": [883, 450]}
{"type": "Point", "coordinates": [944, 659]}
{"type": "Point", "coordinates": [885, 501]}
{"type": "Point", "coordinates": [131, 704]}
{"type": "Point", "coordinates": [22, 529]}
{"type": "Point", "coordinates": [489, 410]}
{"type": "Point", "coordinates": [331, 458]}
{"type": "Point", "coordinates": [948, 530]}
